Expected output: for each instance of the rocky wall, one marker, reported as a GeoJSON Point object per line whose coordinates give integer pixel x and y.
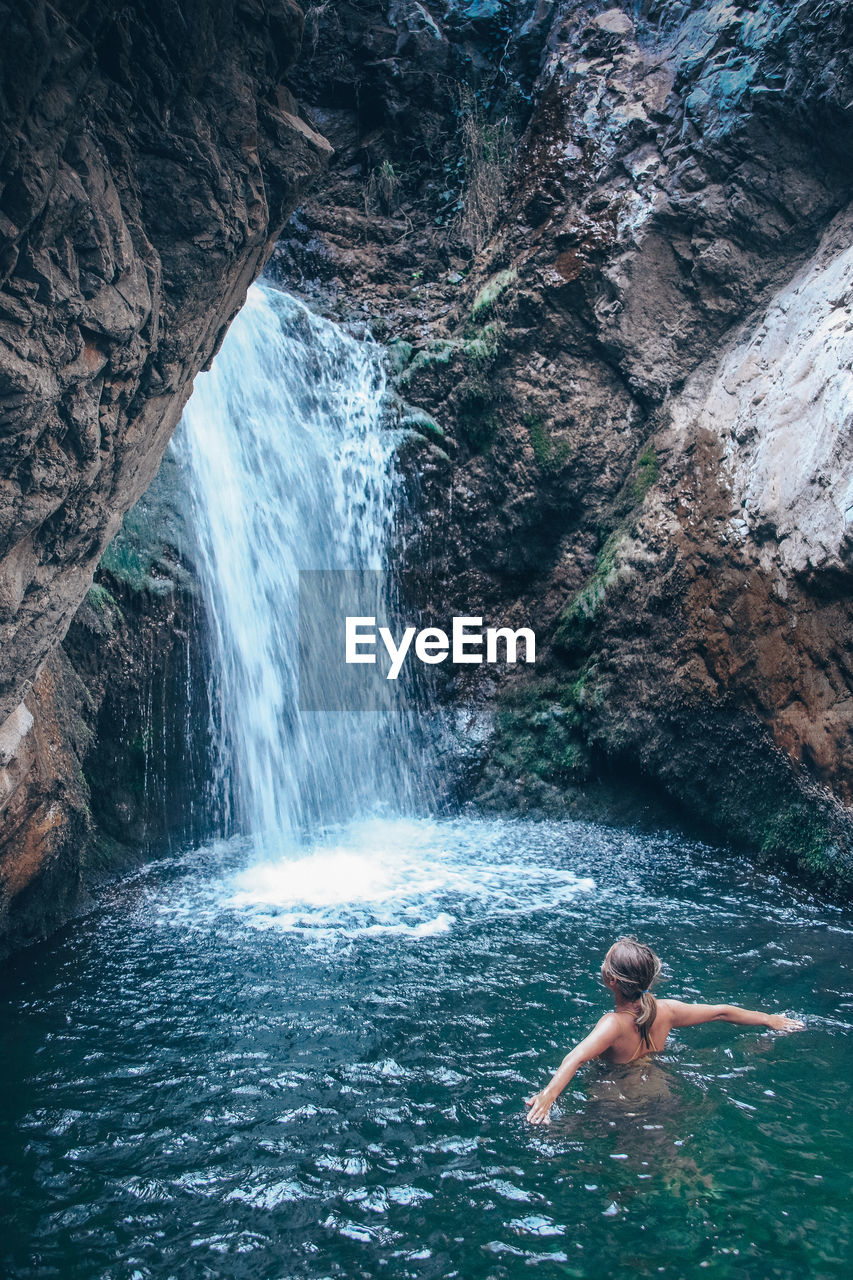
{"type": "Point", "coordinates": [151, 153]}
{"type": "Point", "coordinates": [632, 398]}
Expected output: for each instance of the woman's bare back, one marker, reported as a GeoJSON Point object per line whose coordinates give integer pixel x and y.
{"type": "Point", "coordinates": [629, 1045]}
{"type": "Point", "coordinates": [640, 1024]}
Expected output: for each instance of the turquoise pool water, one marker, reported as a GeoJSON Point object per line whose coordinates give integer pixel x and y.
{"type": "Point", "coordinates": [315, 1066]}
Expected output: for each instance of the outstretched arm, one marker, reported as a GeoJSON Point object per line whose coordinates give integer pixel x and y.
{"type": "Point", "coordinates": [690, 1015]}
{"type": "Point", "coordinates": [599, 1039]}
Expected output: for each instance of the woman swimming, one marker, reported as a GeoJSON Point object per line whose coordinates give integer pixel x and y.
{"type": "Point", "coordinates": [640, 1024]}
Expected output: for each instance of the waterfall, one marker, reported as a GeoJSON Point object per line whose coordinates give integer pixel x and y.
{"type": "Point", "coordinates": [289, 469]}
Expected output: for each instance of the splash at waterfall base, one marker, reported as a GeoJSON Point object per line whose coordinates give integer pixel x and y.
{"type": "Point", "coordinates": [316, 1068]}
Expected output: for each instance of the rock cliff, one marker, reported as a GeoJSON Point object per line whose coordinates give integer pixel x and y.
{"type": "Point", "coordinates": [609, 249]}
{"type": "Point", "coordinates": [151, 155]}
{"type": "Point", "coordinates": [632, 384]}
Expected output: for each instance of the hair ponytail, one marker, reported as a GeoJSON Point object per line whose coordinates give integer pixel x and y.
{"type": "Point", "coordinates": [646, 1016]}
{"type": "Point", "coordinates": [635, 968]}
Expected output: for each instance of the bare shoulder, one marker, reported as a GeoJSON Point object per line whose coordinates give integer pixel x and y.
{"type": "Point", "coordinates": [605, 1031]}
{"type": "Point", "coordinates": [610, 1024]}
{"type": "Point", "coordinates": [673, 1011]}
{"type": "Point", "coordinates": [672, 1006]}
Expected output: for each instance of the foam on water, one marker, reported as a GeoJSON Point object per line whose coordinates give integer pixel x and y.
{"type": "Point", "coordinates": [222, 1053]}
{"type": "Point", "coordinates": [377, 877]}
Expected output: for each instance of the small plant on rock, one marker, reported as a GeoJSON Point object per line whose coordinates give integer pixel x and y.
{"type": "Point", "coordinates": [488, 150]}
{"type": "Point", "coordinates": [552, 456]}
{"type": "Point", "coordinates": [383, 190]}
{"type": "Point", "coordinates": [648, 470]}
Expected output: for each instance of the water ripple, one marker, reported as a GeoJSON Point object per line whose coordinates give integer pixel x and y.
{"type": "Point", "coordinates": [255, 1070]}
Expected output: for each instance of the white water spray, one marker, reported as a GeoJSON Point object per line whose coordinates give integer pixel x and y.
{"type": "Point", "coordinates": [289, 469]}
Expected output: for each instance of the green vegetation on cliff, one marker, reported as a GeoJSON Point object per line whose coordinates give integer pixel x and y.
{"type": "Point", "coordinates": [577, 618]}
{"type": "Point", "coordinates": [537, 733]}
{"type": "Point", "coordinates": [552, 455]}
{"type": "Point", "coordinates": [648, 470]}
{"type": "Point", "coordinates": [487, 297]}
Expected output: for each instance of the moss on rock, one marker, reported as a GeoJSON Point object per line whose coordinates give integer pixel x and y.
{"type": "Point", "coordinates": [419, 420]}
{"type": "Point", "coordinates": [491, 291]}
{"type": "Point", "coordinates": [537, 734]}
{"type": "Point", "coordinates": [483, 343]}
{"type": "Point", "coordinates": [647, 472]}
{"type": "Point", "coordinates": [438, 352]}
{"type": "Point", "coordinates": [552, 455]}
{"type": "Point", "coordinates": [579, 614]}
{"type": "Point", "coordinates": [141, 556]}
{"type": "Point", "coordinates": [400, 353]}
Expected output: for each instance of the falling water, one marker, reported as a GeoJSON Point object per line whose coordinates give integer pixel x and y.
{"type": "Point", "coordinates": [289, 469]}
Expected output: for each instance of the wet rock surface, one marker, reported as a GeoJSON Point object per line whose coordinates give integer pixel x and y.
{"type": "Point", "coordinates": [608, 249]}
{"type": "Point", "coordinates": [149, 164]}
{"type": "Point", "coordinates": [632, 425]}
{"type": "Point", "coordinates": [151, 155]}
{"type": "Point", "coordinates": [109, 759]}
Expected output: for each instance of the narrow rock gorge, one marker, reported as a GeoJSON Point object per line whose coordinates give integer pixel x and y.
{"type": "Point", "coordinates": [608, 249]}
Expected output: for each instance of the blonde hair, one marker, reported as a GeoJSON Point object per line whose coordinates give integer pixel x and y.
{"type": "Point", "coordinates": [635, 968]}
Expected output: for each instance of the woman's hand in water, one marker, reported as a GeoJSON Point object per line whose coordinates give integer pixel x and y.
{"type": "Point", "coordinates": [781, 1022]}
{"type": "Point", "coordinates": [592, 1046]}
{"type": "Point", "coordinates": [540, 1106]}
